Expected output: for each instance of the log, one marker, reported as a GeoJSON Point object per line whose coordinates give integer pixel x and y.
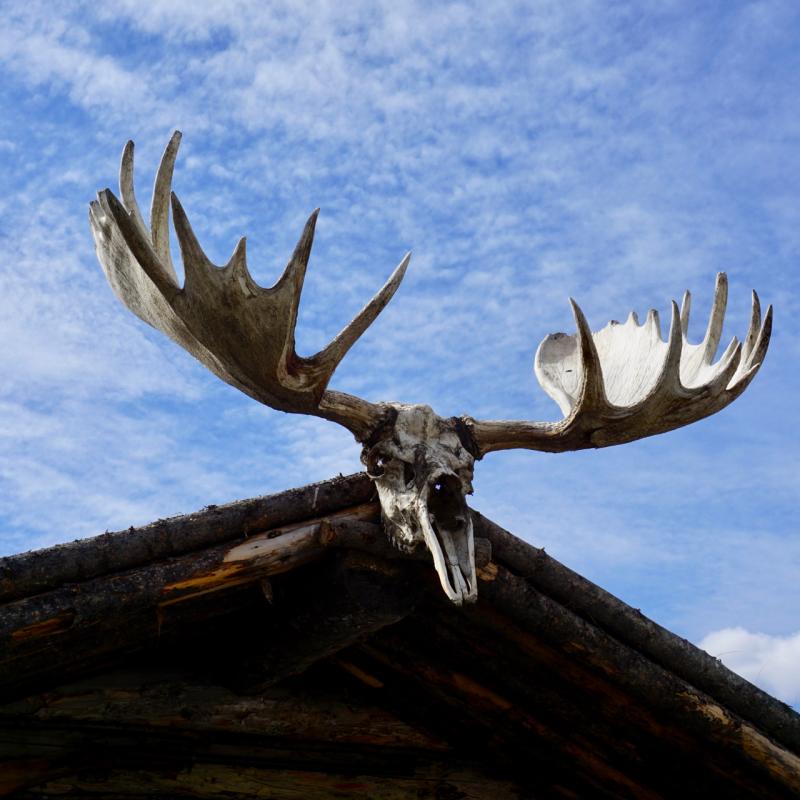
{"type": "Point", "coordinates": [631, 627]}
{"type": "Point", "coordinates": [89, 622]}
{"type": "Point", "coordinates": [177, 580]}
{"type": "Point", "coordinates": [165, 693]}
{"type": "Point", "coordinates": [645, 680]}
{"type": "Point", "coordinates": [560, 716]}
{"type": "Point", "coordinates": [420, 685]}
{"type": "Point", "coordinates": [98, 761]}
{"type": "Point", "coordinates": [588, 708]}
{"type": "Point", "coordinates": [44, 570]}
{"type": "Point", "coordinates": [100, 620]}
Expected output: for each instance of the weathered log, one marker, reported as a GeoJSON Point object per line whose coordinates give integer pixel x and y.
{"type": "Point", "coordinates": [83, 760]}
{"type": "Point", "coordinates": [584, 731]}
{"type": "Point", "coordinates": [631, 627]}
{"type": "Point", "coordinates": [435, 686]}
{"type": "Point", "coordinates": [108, 616]}
{"type": "Point", "coordinates": [216, 569]}
{"type": "Point", "coordinates": [168, 693]}
{"type": "Point", "coordinates": [650, 683]}
{"type": "Point", "coordinates": [177, 580]}
{"type": "Point", "coordinates": [165, 582]}
{"type": "Point", "coordinates": [45, 570]}
{"type": "Point", "coordinates": [588, 707]}
{"type": "Point", "coordinates": [86, 619]}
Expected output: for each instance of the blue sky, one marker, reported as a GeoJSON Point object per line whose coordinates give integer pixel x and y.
{"type": "Point", "coordinates": [618, 152]}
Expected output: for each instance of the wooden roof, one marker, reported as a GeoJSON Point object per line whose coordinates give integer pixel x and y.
{"type": "Point", "coordinates": [280, 648]}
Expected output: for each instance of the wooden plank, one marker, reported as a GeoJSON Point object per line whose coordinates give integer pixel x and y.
{"type": "Point", "coordinates": [160, 698]}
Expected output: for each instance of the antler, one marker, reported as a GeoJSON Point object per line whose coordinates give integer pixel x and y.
{"type": "Point", "coordinates": [624, 382]}
{"type": "Point", "coordinates": [619, 384]}
{"type": "Point", "coordinates": [242, 332]}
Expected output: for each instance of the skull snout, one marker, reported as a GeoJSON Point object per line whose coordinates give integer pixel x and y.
{"type": "Point", "coordinates": [447, 528]}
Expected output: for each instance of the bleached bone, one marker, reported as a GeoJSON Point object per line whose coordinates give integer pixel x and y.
{"type": "Point", "coordinates": [621, 383]}
{"type": "Point", "coordinates": [625, 382]}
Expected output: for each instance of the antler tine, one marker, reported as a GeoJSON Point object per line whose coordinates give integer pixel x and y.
{"type": "Point", "coordinates": [159, 208]}
{"type": "Point", "coordinates": [294, 273]}
{"type": "Point", "coordinates": [126, 186]}
{"type": "Point", "coordinates": [716, 318]}
{"type": "Point", "coordinates": [351, 332]}
{"type": "Point", "coordinates": [762, 342]}
{"type": "Point", "coordinates": [653, 323]}
{"type": "Point", "coordinates": [754, 328]}
{"type": "Point", "coordinates": [669, 381]}
{"type": "Point", "coordinates": [650, 386]}
{"type": "Point", "coordinates": [592, 394]}
{"type": "Point", "coordinates": [242, 332]}
{"type": "Point", "coordinates": [135, 237]}
{"type": "Point", "coordinates": [751, 362]}
{"type": "Point", "coordinates": [196, 264]}
{"type": "Point", "coordinates": [686, 307]}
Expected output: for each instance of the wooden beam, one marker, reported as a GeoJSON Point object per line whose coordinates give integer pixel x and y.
{"type": "Point", "coordinates": [91, 622]}
{"type": "Point", "coordinates": [631, 627]}
{"type": "Point", "coordinates": [162, 583]}
{"type": "Point", "coordinates": [75, 760]}
{"type": "Point", "coordinates": [107, 616]}
{"type": "Point", "coordinates": [659, 689]}
{"type": "Point", "coordinates": [44, 570]}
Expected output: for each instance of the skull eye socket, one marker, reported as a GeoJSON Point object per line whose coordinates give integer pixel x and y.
{"type": "Point", "coordinates": [409, 473]}
{"type": "Point", "coordinates": [376, 464]}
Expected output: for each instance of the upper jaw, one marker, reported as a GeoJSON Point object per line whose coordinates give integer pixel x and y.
{"type": "Point", "coordinates": [447, 527]}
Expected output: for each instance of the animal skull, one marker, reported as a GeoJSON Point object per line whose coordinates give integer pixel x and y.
{"type": "Point", "coordinates": [615, 385]}
{"type": "Point", "coordinates": [422, 467]}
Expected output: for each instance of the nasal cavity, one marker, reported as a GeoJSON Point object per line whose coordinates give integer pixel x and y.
{"type": "Point", "coordinates": [446, 503]}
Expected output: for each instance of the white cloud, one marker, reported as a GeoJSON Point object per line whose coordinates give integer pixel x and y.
{"type": "Point", "coordinates": [771, 662]}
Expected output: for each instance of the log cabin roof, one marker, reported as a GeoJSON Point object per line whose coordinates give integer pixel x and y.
{"type": "Point", "coordinates": [279, 647]}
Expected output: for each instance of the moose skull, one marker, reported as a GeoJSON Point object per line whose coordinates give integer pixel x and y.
{"type": "Point", "coordinates": [615, 385]}
{"type": "Point", "coordinates": [422, 467]}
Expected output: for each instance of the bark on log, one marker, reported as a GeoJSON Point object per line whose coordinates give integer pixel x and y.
{"type": "Point", "coordinates": [44, 570]}
{"type": "Point", "coordinates": [110, 615]}
{"type": "Point", "coordinates": [631, 627]}
{"type": "Point", "coordinates": [162, 584]}
{"type": "Point", "coordinates": [660, 689]}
